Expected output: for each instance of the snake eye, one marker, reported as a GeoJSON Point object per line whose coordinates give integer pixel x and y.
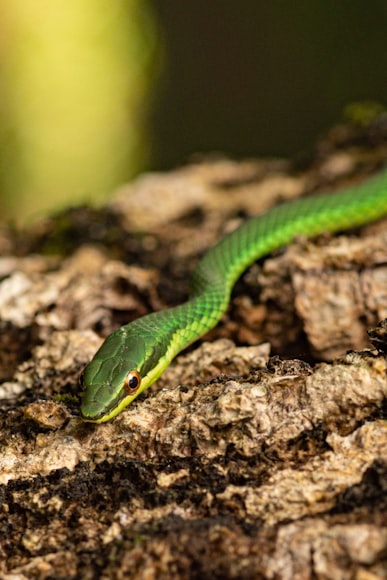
{"type": "Point", "coordinates": [132, 382]}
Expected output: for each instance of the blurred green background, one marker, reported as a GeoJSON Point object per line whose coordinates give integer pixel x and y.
{"type": "Point", "coordinates": [93, 92]}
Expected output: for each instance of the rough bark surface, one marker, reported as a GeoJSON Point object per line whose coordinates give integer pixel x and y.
{"type": "Point", "coordinates": [261, 452]}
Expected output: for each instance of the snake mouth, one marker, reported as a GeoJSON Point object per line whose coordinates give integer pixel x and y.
{"type": "Point", "coordinates": [92, 412]}
{"type": "Point", "coordinates": [94, 406]}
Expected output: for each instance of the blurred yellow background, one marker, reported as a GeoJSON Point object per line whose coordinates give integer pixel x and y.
{"type": "Point", "coordinates": [75, 75]}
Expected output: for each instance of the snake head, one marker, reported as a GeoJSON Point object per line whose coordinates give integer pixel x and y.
{"type": "Point", "coordinates": [127, 363]}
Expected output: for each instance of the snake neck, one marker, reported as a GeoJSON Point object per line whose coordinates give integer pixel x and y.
{"type": "Point", "coordinates": [220, 268]}
{"type": "Point", "coordinates": [188, 322]}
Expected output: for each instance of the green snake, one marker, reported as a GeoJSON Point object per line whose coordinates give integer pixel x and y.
{"type": "Point", "coordinates": [135, 355]}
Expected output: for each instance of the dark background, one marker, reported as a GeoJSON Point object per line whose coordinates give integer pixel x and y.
{"type": "Point", "coordinates": [262, 78]}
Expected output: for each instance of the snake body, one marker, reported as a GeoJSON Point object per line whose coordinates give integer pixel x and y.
{"type": "Point", "coordinates": [135, 355]}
